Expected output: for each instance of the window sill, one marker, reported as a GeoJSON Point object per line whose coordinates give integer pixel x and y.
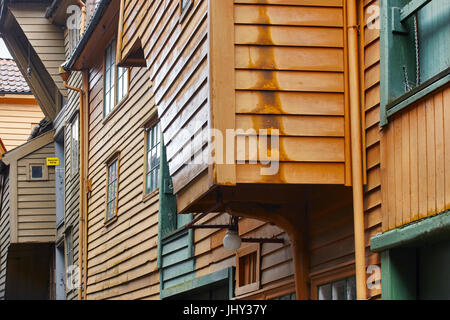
{"type": "Point", "coordinates": [116, 109]}
{"type": "Point", "coordinates": [416, 94]}
{"type": "Point", "coordinates": [146, 197]}
{"type": "Point", "coordinates": [247, 288]}
{"type": "Point", "coordinates": [109, 222]}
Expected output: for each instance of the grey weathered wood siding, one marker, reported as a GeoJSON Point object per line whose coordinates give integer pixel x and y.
{"type": "Point", "coordinates": [4, 235]}
{"type": "Point", "coordinates": [36, 200]}
{"type": "Point", "coordinates": [176, 53]}
{"type": "Point", "coordinates": [122, 255]}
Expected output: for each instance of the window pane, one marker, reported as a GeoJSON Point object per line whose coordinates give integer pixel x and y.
{"type": "Point", "coordinates": [125, 81]}
{"type": "Point", "coordinates": [157, 177]}
{"type": "Point", "coordinates": [109, 78]}
{"type": "Point", "coordinates": [111, 190]}
{"type": "Point", "coordinates": [122, 79]}
{"type": "Point", "coordinates": [37, 172]}
{"type": "Point", "coordinates": [153, 156]}
{"type": "Point", "coordinates": [184, 3]}
{"type": "Point", "coordinates": [148, 183]}
{"type": "Point", "coordinates": [351, 288]}
{"type": "Point", "coordinates": [339, 290]}
{"type": "Point", "coordinates": [324, 292]}
{"type": "Point", "coordinates": [111, 99]}
{"type": "Point", "coordinates": [153, 183]}
{"type": "Point", "coordinates": [74, 145]}
{"type": "Point", "coordinates": [119, 89]}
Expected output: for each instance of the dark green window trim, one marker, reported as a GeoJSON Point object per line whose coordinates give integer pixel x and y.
{"type": "Point", "coordinates": [418, 93]}
{"type": "Point", "coordinates": [218, 276]}
{"type": "Point", "coordinates": [398, 274]}
{"type": "Point", "coordinates": [434, 227]}
{"type": "Point", "coordinates": [397, 38]}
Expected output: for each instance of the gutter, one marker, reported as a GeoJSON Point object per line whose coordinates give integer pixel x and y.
{"type": "Point", "coordinates": [52, 8]}
{"type": "Point", "coordinates": [98, 14]}
{"type": "Point", "coordinates": [2, 11]}
{"type": "Point", "coordinates": [356, 149]}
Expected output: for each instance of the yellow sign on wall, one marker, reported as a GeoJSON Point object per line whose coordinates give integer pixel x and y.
{"type": "Point", "coordinates": [51, 162]}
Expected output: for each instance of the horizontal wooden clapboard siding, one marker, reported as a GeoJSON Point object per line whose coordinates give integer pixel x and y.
{"type": "Point", "coordinates": [176, 54]}
{"type": "Point", "coordinates": [36, 200]}
{"type": "Point", "coordinates": [17, 119]}
{"type": "Point", "coordinates": [122, 255]}
{"type": "Point", "coordinates": [4, 232]}
{"type": "Point", "coordinates": [47, 39]}
{"type": "Point", "coordinates": [370, 87]}
{"type": "Point", "coordinates": [289, 61]}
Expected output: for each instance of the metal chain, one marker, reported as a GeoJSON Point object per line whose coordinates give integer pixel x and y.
{"type": "Point", "coordinates": [416, 39]}
{"type": "Point", "coordinates": [406, 79]}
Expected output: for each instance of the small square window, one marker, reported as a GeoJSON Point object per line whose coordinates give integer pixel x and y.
{"type": "Point", "coordinates": [37, 172]}
{"type": "Point", "coordinates": [247, 269]}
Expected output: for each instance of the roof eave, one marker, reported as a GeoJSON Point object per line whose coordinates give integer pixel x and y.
{"type": "Point", "coordinates": [102, 6]}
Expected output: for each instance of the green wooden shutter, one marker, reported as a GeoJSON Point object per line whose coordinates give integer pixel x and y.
{"type": "Point", "coordinates": [167, 200]}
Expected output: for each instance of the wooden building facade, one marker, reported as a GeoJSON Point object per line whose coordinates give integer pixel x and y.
{"type": "Point", "coordinates": [28, 220]}
{"type": "Point", "coordinates": [261, 66]}
{"type": "Point", "coordinates": [315, 130]}
{"type": "Point", "coordinates": [170, 47]}
{"type": "Point", "coordinates": [40, 37]}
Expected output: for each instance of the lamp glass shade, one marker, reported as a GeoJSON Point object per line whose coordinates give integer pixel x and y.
{"type": "Point", "coordinates": [232, 241]}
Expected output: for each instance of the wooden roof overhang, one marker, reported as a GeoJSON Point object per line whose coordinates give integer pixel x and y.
{"type": "Point", "coordinates": [32, 68]}
{"type": "Point", "coordinates": [98, 33]}
{"type": "Point", "coordinates": [57, 11]}
{"type": "Point", "coordinates": [28, 147]}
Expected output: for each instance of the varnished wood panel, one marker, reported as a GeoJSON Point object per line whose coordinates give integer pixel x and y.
{"type": "Point", "coordinates": [416, 182]}
{"type": "Point", "coordinates": [289, 61]}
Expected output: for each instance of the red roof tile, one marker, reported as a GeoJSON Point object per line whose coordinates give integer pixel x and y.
{"type": "Point", "coordinates": [11, 80]}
